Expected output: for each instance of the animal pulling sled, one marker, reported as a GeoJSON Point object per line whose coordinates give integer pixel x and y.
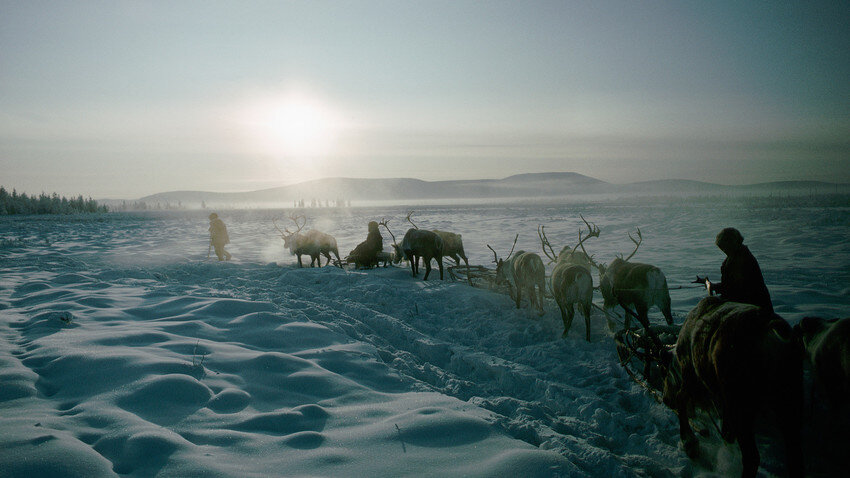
{"type": "Point", "coordinates": [642, 352]}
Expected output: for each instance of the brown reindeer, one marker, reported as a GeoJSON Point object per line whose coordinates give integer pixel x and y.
{"type": "Point", "coordinates": [738, 360]}
{"type": "Point", "coordinates": [312, 243]}
{"type": "Point", "coordinates": [386, 258]}
{"type": "Point", "coordinates": [453, 248]}
{"type": "Point", "coordinates": [571, 282]}
{"type": "Point", "coordinates": [452, 245]}
{"type": "Point", "coordinates": [420, 243]}
{"type": "Point", "coordinates": [634, 284]}
{"type": "Point", "coordinates": [522, 271]}
{"type": "Point", "coordinates": [827, 344]}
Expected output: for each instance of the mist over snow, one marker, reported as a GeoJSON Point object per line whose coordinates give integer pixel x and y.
{"type": "Point", "coordinates": [125, 351]}
{"type": "Point", "coordinates": [555, 187]}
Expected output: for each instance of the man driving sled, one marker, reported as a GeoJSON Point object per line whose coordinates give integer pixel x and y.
{"type": "Point", "coordinates": [740, 276]}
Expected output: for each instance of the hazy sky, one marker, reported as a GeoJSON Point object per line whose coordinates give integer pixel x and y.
{"type": "Point", "coordinates": [120, 99]}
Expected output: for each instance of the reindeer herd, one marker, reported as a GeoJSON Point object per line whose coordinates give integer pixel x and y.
{"type": "Point", "coordinates": [635, 287]}
{"type": "Point", "coordinates": [729, 359]}
{"type": "Point", "coordinates": [416, 243]}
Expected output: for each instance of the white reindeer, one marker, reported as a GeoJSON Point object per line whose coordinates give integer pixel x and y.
{"type": "Point", "coordinates": [571, 282]}
{"type": "Point", "coordinates": [522, 271]}
{"type": "Point", "coordinates": [312, 243]}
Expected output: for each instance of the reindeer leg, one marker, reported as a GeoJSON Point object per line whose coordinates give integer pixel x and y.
{"type": "Point", "coordinates": [538, 297]}
{"type": "Point", "coordinates": [585, 310]}
{"type": "Point", "coordinates": [612, 326]}
{"type": "Point", "coordinates": [642, 314]}
{"type": "Point", "coordinates": [690, 443]}
{"type": "Point", "coordinates": [427, 261]}
{"type": "Point", "coordinates": [299, 261]}
{"type": "Point", "coordinates": [749, 453]}
{"type": "Point", "coordinates": [791, 427]}
{"type": "Point", "coordinates": [567, 317]}
{"type": "Point", "coordinates": [440, 265]}
{"type": "Point", "coordinates": [518, 295]}
{"type": "Point", "coordinates": [665, 310]}
{"type": "Point", "coordinates": [541, 287]}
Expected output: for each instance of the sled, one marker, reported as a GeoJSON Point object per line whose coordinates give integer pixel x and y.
{"type": "Point", "coordinates": [642, 358]}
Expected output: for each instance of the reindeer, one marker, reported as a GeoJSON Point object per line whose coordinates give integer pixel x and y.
{"type": "Point", "coordinates": [827, 344]}
{"type": "Point", "coordinates": [415, 244]}
{"type": "Point", "coordinates": [452, 245]}
{"type": "Point", "coordinates": [737, 359]}
{"type": "Point", "coordinates": [425, 244]}
{"type": "Point", "coordinates": [571, 282]}
{"type": "Point", "coordinates": [634, 284]}
{"type": "Point", "coordinates": [522, 271]}
{"type": "Point", "coordinates": [386, 258]}
{"type": "Point", "coordinates": [312, 243]}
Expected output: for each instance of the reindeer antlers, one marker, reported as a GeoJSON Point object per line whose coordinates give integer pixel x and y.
{"type": "Point", "coordinates": [544, 243]}
{"type": "Point", "coordinates": [295, 218]}
{"type": "Point", "coordinates": [593, 231]}
{"type": "Point", "coordinates": [384, 222]}
{"type": "Point", "coordinates": [410, 220]}
{"type": "Point", "coordinates": [512, 247]}
{"type": "Point", "coordinates": [637, 243]}
{"type": "Point", "coordinates": [496, 256]}
{"type": "Point", "coordinates": [278, 228]}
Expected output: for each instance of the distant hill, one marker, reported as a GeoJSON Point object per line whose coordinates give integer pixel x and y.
{"type": "Point", "coordinates": [533, 185]}
{"type": "Point", "coordinates": [574, 178]}
{"type": "Point", "coordinates": [361, 189]}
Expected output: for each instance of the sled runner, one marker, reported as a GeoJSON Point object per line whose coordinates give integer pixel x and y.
{"type": "Point", "coordinates": [641, 357]}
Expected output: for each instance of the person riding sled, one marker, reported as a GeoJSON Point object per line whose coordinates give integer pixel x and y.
{"type": "Point", "coordinates": [741, 279]}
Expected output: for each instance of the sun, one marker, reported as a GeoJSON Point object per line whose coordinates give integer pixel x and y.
{"type": "Point", "coordinates": [295, 127]}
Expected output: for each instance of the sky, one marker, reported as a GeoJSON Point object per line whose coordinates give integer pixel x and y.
{"type": "Point", "coordinates": [121, 99]}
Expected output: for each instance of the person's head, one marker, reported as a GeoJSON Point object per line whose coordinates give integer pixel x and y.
{"type": "Point", "coordinates": [729, 240]}
{"type": "Point", "coordinates": [213, 216]}
{"type": "Point", "coordinates": [373, 226]}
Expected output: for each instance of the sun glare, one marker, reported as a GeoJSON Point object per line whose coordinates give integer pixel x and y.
{"type": "Point", "coordinates": [294, 127]}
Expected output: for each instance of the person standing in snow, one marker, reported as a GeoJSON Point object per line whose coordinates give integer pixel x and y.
{"type": "Point", "coordinates": [740, 276]}
{"type": "Point", "coordinates": [219, 237]}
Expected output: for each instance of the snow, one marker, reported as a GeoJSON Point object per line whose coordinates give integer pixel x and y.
{"type": "Point", "coordinates": [123, 350]}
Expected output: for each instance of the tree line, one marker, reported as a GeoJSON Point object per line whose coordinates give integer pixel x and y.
{"type": "Point", "coordinates": [15, 203]}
